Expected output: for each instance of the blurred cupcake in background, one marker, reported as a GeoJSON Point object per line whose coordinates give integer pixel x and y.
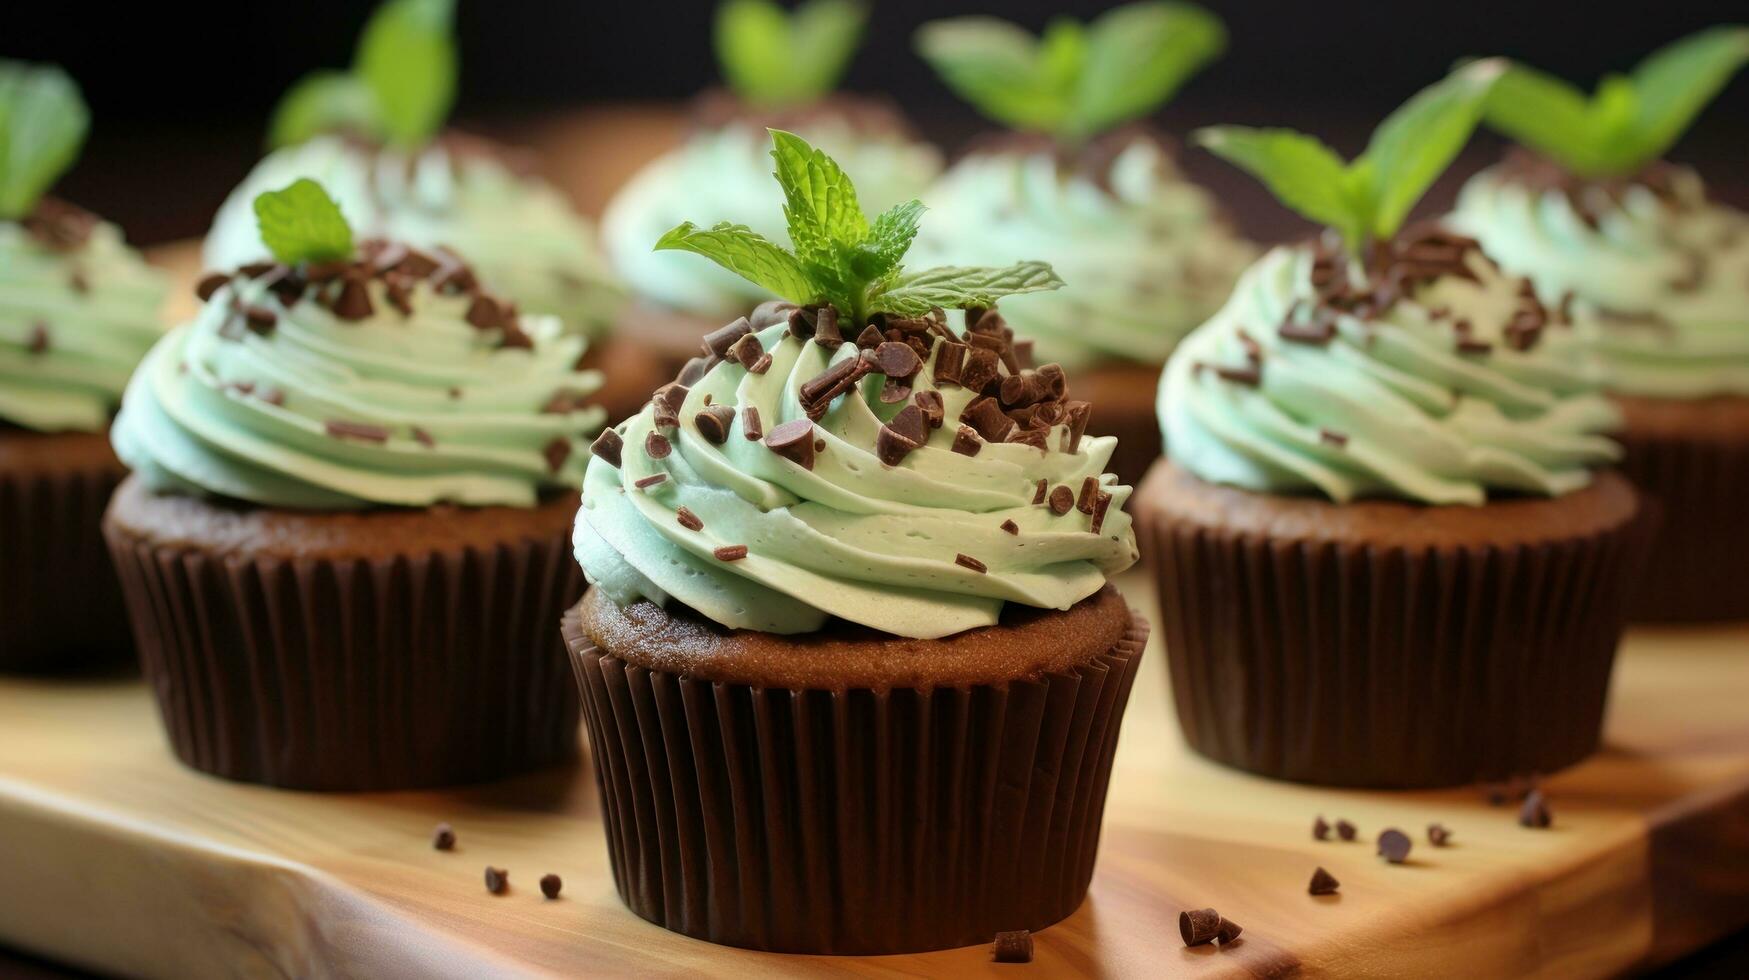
{"type": "Point", "coordinates": [1146, 254]}
{"type": "Point", "coordinates": [78, 309]}
{"type": "Point", "coordinates": [1589, 210]}
{"type": "Point", "coordinates": [344, 545]}
{"type": "Point", "coordinates": [781, 69]}
{"type": "Point", "coordinates": [1387, 546]}
{"type": "Point", "coordinates": [373, 136]}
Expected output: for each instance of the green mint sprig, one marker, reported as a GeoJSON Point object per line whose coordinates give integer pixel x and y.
{"type": "Point", "coordinates": [399, 90]}
{"type": "Point", "coordinates": [1631, 119]}
{"type": "Point", "coordinates": [1077, 80]}
{"type": "Point", "coordinates": [840, 257]}
{"type": "Point", "coordinates": [303, 224]}
{"type": "Point", "coordinates": [771, 58]}
{"type": "Point", "coordinates": [43, 121]}
{"type": "Point", "coordinates": [1369, 199]}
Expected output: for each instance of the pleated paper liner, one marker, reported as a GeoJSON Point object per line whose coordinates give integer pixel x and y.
{"type": "Point", "coordinates": [60, 606]}
{"type": "Point", "coordinates": [1385, 645]}
{"type": "Point", "coordinates": [428, 666]}
{"type": "Point", "coordinates": [1695, 473]}
{"type": "Point", "coordinates": [857, 821]}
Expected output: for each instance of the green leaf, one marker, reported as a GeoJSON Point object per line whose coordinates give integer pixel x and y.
{"type": "Point", "coordinates": [1300, 170]}
{"type": "Point", "coordinates": [951, 287]}
{"type": "Point", "coordinates": [893, 232]}
{"type": "Point", "coordinates": [749, 255]}
{"type": "Point", "coordinates": [771, 58]}
{"type": "Point", "coordinates": [407, 57]}
{"type": "Point", "coordinates": [998, 68]}
{"type": "Point", "coordinates": [1678, 80]}
{"type": "Point", "coordinates": [324, 102]}
{"type": "Point", "coordinates": [302, 224]}
{"type": "Point", "coordinates": [820, 201]}
{"type": "Point", "coordinates": [1138, 56]}
{"type": "Point", "coordinates": [1547, 114]}
{"type": "Point", "coordinates": [1416, 143]}
{"type": "Point", "coordinates": [43, 122]}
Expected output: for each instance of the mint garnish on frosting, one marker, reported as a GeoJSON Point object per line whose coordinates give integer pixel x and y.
{"type": "Point", "coordinates": [398, 91]}
{"type": "Point", "coordinates": [303, 224]}
{"type": "Point", "coordinates": [43, 121]}
{"type": "Point", "coordinates": [1077, 80]}
{"type": "Point", "coordinates": [771, 58]}
{"type": "Point", "coordinates": [839, 256]}
{"type": "Point", "coordinates": [1630, 120]}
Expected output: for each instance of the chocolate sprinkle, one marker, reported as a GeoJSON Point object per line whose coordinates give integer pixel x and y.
{"type": "Point", "coordinates": [1101, 504]}
{"type": "Point", "coordinates": [1013, 947]}
{"type": "Point", "coordinates": [39, 339]}
{"type": "Point", "coordinates": [558, 450]}
{"type": "Point", "coordinates": [730, 552]}
{"type": "Point", "coordinates": [1010, 526]}
{"type": "Point", "coordinates": [967, 561]}
{"type": "Point", "coordinates": [1332, 438]}
{"type": "Point", "coordinates": [1199, 926]}
{"type": "Point", "coordinates": [688, 519]}
{"type": "Point", "coordinates": [1039, 491]}
{"type": "Point", "coordinates": [1437, 834]}
{"type": "Point", "coordinates": [1084, 501]}
{"type": "Point", "coordinates": [1062, 500]}
{"type": "Point", "coordinates": [443, 838]}
{"type": "Point", "coordinates": [497, 880]}
{"type": "Point", "coordinates": [607, 446]}
{"type": "Point", "coordinates": [1534, 812]}
{"type": "Point", "coordinates": [1394, 846]}
{"type": "Point", "coordinates": [362, 431]}
{"type": "Point", "coordinates": [1346, 830]}
{"type": "Point", "coordinates": [750, 426]}
{"type": "Point", "coordinates": [966, 441]}
{"type": "Point", "coordinates": [657, 446]}
{"type": "Point", "coordinates": [550, 886]}
{"type": "Point", "coordinates": [1320, 829]}
{"type": "Point", "coordinates": [794, 441]}
{"type": "Point", "coordinates": [423, 438]}
{"type": "Point", "coordinates": [654, 479]}
{"type": "Point", "coordinates": [1323, 883]}
{"type": "Point", "coordinates": [715, 422]}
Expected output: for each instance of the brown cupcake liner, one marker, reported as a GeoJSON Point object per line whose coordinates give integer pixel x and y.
{"type": "Point", "coordinates": [1697, 569]}
{"type": "Point", "coordinates": [1344, 663]}
{"type": "Point", "coordinates": [858, 821]}
{"type": "Point", "coordinates": [432, 668]}
{"type": "Point", "coordinates": [60, 605]}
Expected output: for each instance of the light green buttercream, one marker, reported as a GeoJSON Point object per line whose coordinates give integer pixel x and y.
{"type": "Point", "coordinates": [1145, 260]}
{"type": "Point", "coordinates": [200, 415]}
{"type": "Point", "coordinates": [851, 538]}
{"type": "Point", "coordinates": [1422, 421]}
{"type": "Point", "coordinates": [519, 233]}
{"type": "Point", "coordinates": [1684, 264]}
{"type": "Point", "coordinates": [72, 326]}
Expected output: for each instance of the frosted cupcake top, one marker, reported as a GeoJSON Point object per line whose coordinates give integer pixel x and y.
{"type": "Point", "coordinates": [338, 378]}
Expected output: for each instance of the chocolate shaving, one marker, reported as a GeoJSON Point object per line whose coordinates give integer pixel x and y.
{"type": "Point", "coordinates": [826, 332]}
{"type": "Point", "coordinates": [771, 313]}
{"type": "Point", "coordinates": [666, 402]}
{"type": "Point", "coordinates": [1101, 504]}
{"type": "Point", "coordinates": [981, 368]}
{"type": "Point", "coordinates": [966, 441]}
{"type": "Point", "coordinates": [654, 479]}
{"type": "Point", "coordinates": [1078, 414]}
{"type": "Point", "coordinates": [984, 415]}
{"type": "Point", "coordinates": [443, 838]}
{"type": "Point", "coordinates": [550, 886]}
{"type": "Point", "coordinates": [497, 880]}
{"type": "Point", "coordinates": [1332, 438]}
{"type": "Point", "coordinates": [39, 339]}
{"type": "Point", "coordinates": [1013, 947]}
{"type": "Point", "coordinates": [718, 341]}
{"type": "Point", "coordinates": [747, 350]}
{"type": "Point", "coordinates": [891, 447]}
{"type": "Point", "coordinates": [870, 338]}
{"type": "Point", "coordinates": [1320, 829]}
{"type": "Point", "coordinates": [950, 359]}
{"type": "Point", "coordinates": [657, 446]}
{"type": "Point", "coordinates": [1084, 500]}
{"type": "Point", "coordinates": [794, 441]}
{"type": "Point", "coordinates": [1323, 883]}
{"type": "Point", "coordinates": [1535, 811]}
{"type": "Point", "coordinates": [1438, 835]}
{"type": "Point", "coordinates": [715, 422]}
{"type": "Point", "coordinates": [209, 284]}
{"type": "Point", "coordinates": [967, 561]}
{"type": "Point", "coordinates": [1199, 926]}
{"type": "Point", "coordinates": [933, 408]}
{"type": "Point", "coordinates": [352, 303]}
{"type": "Point", "coordinates": [688, 519]}
{"type": "Point", "coordinates": [361, 431]}
{"type": "Point", "coordinates": [750, 426]}
{"type": "Point", "coordinates": [1040, 490]}
{"type": "Point", "coordinates": [607, 447]}
{"type": "Point", "coordinates": [423, 438]}
{"type": "Point", "coordinates": [557, 451]}
{"type": "Point", "coordinates": [896, 360]}
{"type": "Point", "coordinates": [693, 371]}
{"type": "Point", "coordinates": [1062, 499]}
{"type": "Point", "coordinates": [730, 552]}
{"type": "Point", "coordinates": [1010, 526]}
{"type": "Point", "coordinates": [817, 394]}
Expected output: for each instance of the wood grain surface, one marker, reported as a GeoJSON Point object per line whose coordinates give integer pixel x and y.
{"type": "Point", "coordinates": [118, 859]}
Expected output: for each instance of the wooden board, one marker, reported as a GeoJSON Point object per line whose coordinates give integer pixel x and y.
{"type": "Point", "coordinates": [117, 858]}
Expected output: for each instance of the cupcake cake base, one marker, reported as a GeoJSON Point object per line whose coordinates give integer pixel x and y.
{"type": "Point", "coordinates": [1690, 460]}
{"type": "Point", "coordinates": [60, 607]}
{"type": "Point", "coordinates": [849, 791]}
{"type": "Point", "coordinates": [1388, 644]}
{"type": "Point", "coordinates": [371, 650]}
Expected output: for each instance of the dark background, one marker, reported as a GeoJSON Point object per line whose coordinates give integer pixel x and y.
{"type": "Point", "coordinates": [180, 92]}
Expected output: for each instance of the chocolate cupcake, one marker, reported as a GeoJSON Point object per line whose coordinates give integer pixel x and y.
{"type": "Point", "coordinates": [851, 665]}
{"type": "Point", "coordinates": [720, 172]}
{"type": "Point", "coordinates": [344, 541]}
{"type": "Point", "coordinates": [1147, 254]}
{"type": "Point", "coordinates": [1604, 227]}
{"type": "Point", "coordinates": [1385, 556]}
{"type": "Point", "coordinates": [397, 176]}
{"type": "Point", "coordinates": [78, 309]}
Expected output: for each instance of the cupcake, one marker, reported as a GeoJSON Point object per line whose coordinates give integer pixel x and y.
{"type": "Point", "coordinates": [1606, 228]}
{"type": "Point", "coordinates": [78, 308]}
{"type": "Point", "coordinates": [720, 171]}
{"type": "Point", "coordinates": [397, 177]}
{"type": "Point", "coordinates": [1147, 254]}
{"type": "Point", "coordinates": [1386, 550]}
{"type": "Point", "coordinates": [851, 663]}
{"type": "Point", "coordinates": [344, 541]}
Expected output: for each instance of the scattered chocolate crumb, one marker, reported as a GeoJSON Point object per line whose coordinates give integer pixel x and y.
{"type": "Point", "coordinates": [730, 552]}
{"type": "Point", "coordinates": [607, 446]}
{"type": "Point", "coordinates": [967, 561]}
{"type": "Point", "coordinates": [657, 446]}
{"type": "Point", "coordinates": [1394, 846]}
{"type": "Point", "coordinates": [1535, 811]}
{"type": "Point", "coordinates": [1320, 829]}
{"type": "Point", "coordinates": [688, 519]}
{"type": "Point", "coordinates": [1199, 926]}
{"type": "Point", "coordinates": [1437, 834]}
{"type": "Point", "coordinates": [1062, 499]}
{"type": "Point", "coordinates": [443, 838]}
{"type": "Point", "coordinates": [550, 885]}
{"type": "Point", "coordinates": [1014, 947]}
{"type": "Point", "coordinates": [1010, 526]}
{"type": "Point", "coordinates": [1346, 830]}
{"type": "Point", "coordinates": [647, 482]}
{"type": "Point", "coordinates": [794, 441]}
{"type": "Point", "coordinates": [423, 438]}
{"type": "Point", "coordinates": [1323, 883]}
{"type": "Point", "coordinates": [497, 880]}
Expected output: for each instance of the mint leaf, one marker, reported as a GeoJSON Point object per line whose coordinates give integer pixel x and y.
{"type": "Point", "coordinates": [771, 58]}
{"type": "Point", "coordinates": [43, 121]}
{"type": "Point", "coordinates": [323, 102]}
{"type": "Point", "coordinates": [302, 224]}
{"type": "Point", "coordinates": [1677, 81]}
{"type": "Point", "coordinates": [892, 234]}
{"type": "Point", "coordinates": [1138, 56]}
{"type": "Point", "coordinates": [1299, 170]}
{"type": "Point", "coordinates": [952, 287]}
{"type": "Point", "coordinates": [1416, 143]}
{"type": "Point", "coordinates": [407, 57]}
{"type": "Point", "coordinates": [826, 223]}
{"type": "Point", "coordinates": [1547, 114]}
{"type": "Point", "coordinates": [748, 254]}
{"type": "Point", "coordinates": [1076, 81]}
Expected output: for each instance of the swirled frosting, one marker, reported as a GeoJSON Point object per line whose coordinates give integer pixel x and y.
{"type": "Point", "coordinates": [1453, 383]}
{"type": "Point", "coordinates": [521, 234]}
{"type": "Point", "coordinates": [910, 536]}
{"type": "Point", "coordinates": [76, 314]}
{"type": "Point", "coordinates": [354, 390]}
{"type": "Point", "coordinates": [724, 174]}
{"type": "Point", "coordinates": [1145, 252]}
{"type": "Point", "coordinates": [1664, 271]}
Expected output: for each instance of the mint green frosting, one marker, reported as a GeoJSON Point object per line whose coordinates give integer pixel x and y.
{"type": "Point", "coordinates": [725, 175]}
{"type": "Point", "coordinates": [72, 326]}
{"type": "Point", "coordinates": [519, 232]}
{"type": "Point", "coordinates": [1145, 260]}
{"type": "Point", "coordinates": [229, 412]}
{"type": "Point", "coordinates": [1667, 279]}
{"type": "Point", "coordinates": [852, 538]}
{"type": "Point", "coordinates": [1389, 407]}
